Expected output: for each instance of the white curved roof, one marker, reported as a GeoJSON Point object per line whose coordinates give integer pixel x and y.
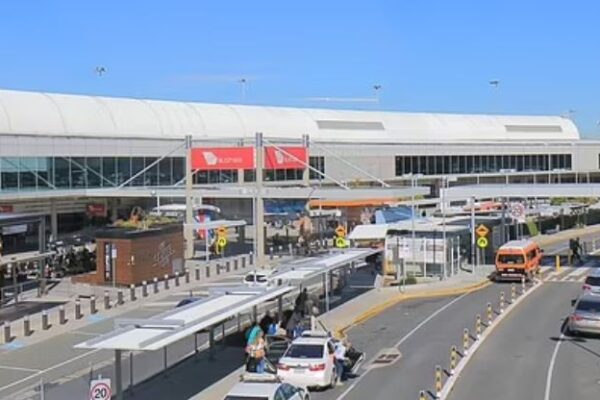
{"type": "Point", "coordinates": [32, 113]}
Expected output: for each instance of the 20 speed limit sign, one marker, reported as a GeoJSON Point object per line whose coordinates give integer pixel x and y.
{"type": "Point", "coordinates": [100, 389]}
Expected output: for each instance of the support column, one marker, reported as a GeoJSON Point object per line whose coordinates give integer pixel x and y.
{"type": "Point", "coordinates": [53, 220]}
{"type": "Point", "coordinates": [280, 308]}
{"type": "Point", "coordinates": [118, 376]}
{"type": "Point", "coordinates": [259, 203]}
{"type": "Point", "coordinates": [306, 171]}
{"type": "Point", "coordinates": [189, 211]}
{"type": "Point", "coordinates": [326, 284]}
{"type": "Point", "coordinates": [211, 343]}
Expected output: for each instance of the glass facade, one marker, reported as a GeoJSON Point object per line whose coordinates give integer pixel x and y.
{"type": "Point", "coordinates": [38, 173]}
{"type": "Point", "coordinates": [318, 163]}
{"type": "Point", "coordinates": [473, 164]}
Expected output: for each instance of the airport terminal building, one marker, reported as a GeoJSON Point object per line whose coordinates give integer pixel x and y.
{"type": "Point", "coordinates": [60, 153]}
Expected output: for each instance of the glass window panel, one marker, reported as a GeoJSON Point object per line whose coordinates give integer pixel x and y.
{"type": "Point", "coordinates": [78, 178]}
{"type": "Point", "coordinates": [250, 176]}
{"type": "Point", "coordinates": [164, 171]}
{"type": "Point", "coordinates": [151, 174]}
{"type": "Point", "coordinates": [178, 169]}
{"type": "Point", "coordinates": [568, 161]}
{"type": "Point", "coordinates": [398, 165]}
{"type": "Point", "coordinates": [137, 165]}
{"type": "Point", "coordinates": [62, 172]}
{"type": "Point", "coordinates": [45, 172]}
{"type": "Point", "coordinates": [109, 171]}
{"type": "Point", "coordinates": [123, 169]}
{"type": "Point", "coordinates": [431, 165]}
{"type": "Point", "coordinates": [94, 171]}
{"type": "Point", "coordinates": [27, 171]}
{"type": "Point", "coordinates": [462, 164]}
{"type": "Point", "coordinates": [9, 172]}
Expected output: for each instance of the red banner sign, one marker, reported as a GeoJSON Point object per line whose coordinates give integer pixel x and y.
{"type": "Point", "coordinates": [218, 158]}
{"type": "Point", "coordinates": [277, 159]}
{"type": "Point", "coordinates": [6, 209]}
{"type": "Point", "coordinates": [96, 210]}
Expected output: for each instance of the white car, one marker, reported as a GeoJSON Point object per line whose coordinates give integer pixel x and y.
{"type": "Point", "coordinates": [592, 283]}
{"type": "Point", "coordinates": [308, 362]}
{"type": "Point", "coordinates": [259, 278]}
{"type": "Point", "coordinates": [265, 387]}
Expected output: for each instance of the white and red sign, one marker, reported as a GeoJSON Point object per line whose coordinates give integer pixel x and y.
{"type": "Point", "coordinates": [100, 389]}
{"type": "Point", "coordinates": [290, 158]}
{"type": "Point", "coordinates": [220, 158]}
{"type": "Point", "coordinates": [7, 208]}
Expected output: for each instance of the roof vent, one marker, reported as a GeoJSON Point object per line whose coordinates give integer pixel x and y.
{"type": "Point", "coordinates": [351, 125]}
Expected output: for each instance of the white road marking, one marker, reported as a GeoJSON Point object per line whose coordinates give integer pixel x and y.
{"type": "Point", "coordinates": [578, 273]}
{"type": "Point", "coordinates": [19, 368]}
{"type": "Point", "coordinates": [551, 366]}
{"type": "Point", "coordinates": [406, 337]}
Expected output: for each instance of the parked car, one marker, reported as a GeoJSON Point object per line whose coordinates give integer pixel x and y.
{"type": "Point", "coordinates": [308, 362]}
{"type": "Point", "coordinates": [585, 317]}
{"type": "Point", "coordinates": [592, 283]}
{"type": "Point", "coordinates": [258, 278]}
{"type": "Point", "coordinates": [265, 387]}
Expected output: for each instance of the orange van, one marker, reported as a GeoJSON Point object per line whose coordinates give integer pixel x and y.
{"type": "Point", "coordinates": [518, 258]}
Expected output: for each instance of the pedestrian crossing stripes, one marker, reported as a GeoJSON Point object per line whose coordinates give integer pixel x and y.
{"type": "Point", "coordinates": [565, 274]}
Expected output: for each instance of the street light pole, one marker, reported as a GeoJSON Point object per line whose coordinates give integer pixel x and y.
{"type": "Point", "coordinates": [414, 235]}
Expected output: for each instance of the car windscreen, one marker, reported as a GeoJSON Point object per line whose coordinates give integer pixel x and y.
{"type": "Point", "coordinates": [510, 259]}
{"type": "Point", "coordinates": [593, 280]}
{"type": "Point", "coordinates": [246, 398]}
{"type": "Point", "coordinates": [259, 278]}
{"type": "Point", "coordinates": [589, 306]}
{"type": "Point", "coordinates": [305, 351]}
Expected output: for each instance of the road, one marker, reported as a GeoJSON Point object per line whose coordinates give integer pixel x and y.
{"type": "Point", "coordinates": [525, 358]}
{"type": "Point", "coordinates": [423, 331]}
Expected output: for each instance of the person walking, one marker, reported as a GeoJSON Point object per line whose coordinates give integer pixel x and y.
{"type": "Point", "coordinates": [575, 249]}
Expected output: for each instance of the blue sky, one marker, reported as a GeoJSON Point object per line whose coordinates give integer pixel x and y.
{"type": "Point", "coordinates": [428, 55]}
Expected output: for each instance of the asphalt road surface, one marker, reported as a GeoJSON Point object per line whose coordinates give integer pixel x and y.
{"type": "Point", "coordinates": [527, 358]}
{"type": "Point", "coordinates": [423, 331]}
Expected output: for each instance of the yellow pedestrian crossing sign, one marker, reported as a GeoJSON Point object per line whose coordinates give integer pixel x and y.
{"type": "Point", "coordinates": [482, 242]}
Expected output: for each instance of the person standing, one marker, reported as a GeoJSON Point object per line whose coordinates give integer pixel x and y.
{"type": "Point", "coordinates": [339, 358]}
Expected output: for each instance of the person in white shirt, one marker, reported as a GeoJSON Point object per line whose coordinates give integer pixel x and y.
{"type": "Point", "coordinates": [339, 358]}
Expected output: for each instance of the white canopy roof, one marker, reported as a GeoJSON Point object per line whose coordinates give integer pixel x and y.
{"type": "Point", "coordinates": [32, 113]}
{"type": "Point", "coordinates": [222, 304]}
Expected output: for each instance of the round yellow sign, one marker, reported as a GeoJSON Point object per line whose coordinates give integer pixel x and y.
{"type": "Point", "coordinates": [482, 242]}
{"type": "Point", "coordinates": [340, 242]}
{"type": "Point", "coordinates": [221, 242]}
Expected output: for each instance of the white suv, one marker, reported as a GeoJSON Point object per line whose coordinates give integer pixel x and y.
{"type": "Point", "coordinates": [265, 387]}
{"type": "Point", "coordinates": [308, 362]}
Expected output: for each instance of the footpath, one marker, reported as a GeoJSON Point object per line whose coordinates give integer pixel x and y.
{"type": "Point", "coordinates": [77, 310]}
{"type": "Point", "coordinates": [367, 305]}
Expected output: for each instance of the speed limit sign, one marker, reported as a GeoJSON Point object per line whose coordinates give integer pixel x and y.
{"type": "Point", "coordinates": [100, 389]}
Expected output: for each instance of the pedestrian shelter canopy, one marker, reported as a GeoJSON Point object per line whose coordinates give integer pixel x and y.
{"type": "Point", "coordinates": [174, 325]}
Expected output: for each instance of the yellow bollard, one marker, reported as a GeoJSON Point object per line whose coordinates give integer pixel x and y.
{"type": "Point", "coordinates": [465, 341]}
{"type": "Point", "coordinates": [438, 381]}
{"type": "Point", "coordinates": [501, 302]}
{"type": "Point", "coordinates": [478, 326]}
{"type": "Point", "coordinates": [558, 263]}
{"type": "Point", "coordinates": [489, 313]}
{"type": "Point", "coordinates": [453, 360]}
{"type": "Point", "coordinates": [513, 292]}
{"type": "Point", "coordinates": [422, 395]}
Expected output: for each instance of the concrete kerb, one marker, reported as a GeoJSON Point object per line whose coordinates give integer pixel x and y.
{"type": "Point", "coordinates": [378, 309]}
{"type": "Point", "coordinates": [451, 381]}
